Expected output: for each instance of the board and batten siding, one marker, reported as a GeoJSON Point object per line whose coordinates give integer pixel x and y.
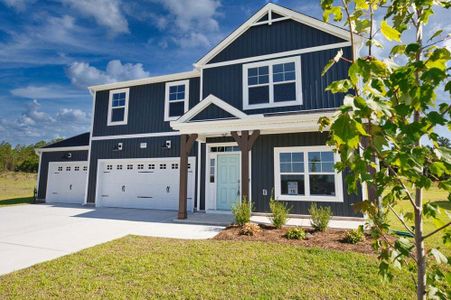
{"type": "Point", "coordinates": [278, 37]}
{"type": "Point", "coordinates": [103, 149]}
{"type": "Point", "coordinates": [262, 173]}
{"type": "Point", "coordinates": [58, 156]}
{"type": "Point", "coordinates": [145, 110]}
{"type": "Point", "coordinates": [226, 83]}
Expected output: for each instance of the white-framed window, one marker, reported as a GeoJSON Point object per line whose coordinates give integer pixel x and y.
{"type": "Point", "coordinates": [174, 166]}
{"type": "Point", "coordinates": [67, 169]}
{"type": "Point", "coordinates": [119, 167]}
{"type": "Point", "coordinates": [162, 166]}
{"type": "Point", "coordinates": [129, 167]}
{"type": "Point", "coordinates": [140, 166]}
{"type": "Point", "coordinates": [272, 83]}
{"type": "Point", "coordinates": [307, 174]}
{"type": "Point", "coordinates": [85, 168]}
{"type": "Point", "coordinates": [151, 166]}
{"type": "Point", "coordinates": [60, 168]}
{"type": "Point", "coordinates": [176, 101]}
{"type": "Point", "coordinates": [118, 107]}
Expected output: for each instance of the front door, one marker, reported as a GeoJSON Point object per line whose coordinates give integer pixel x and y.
{"type": "Point", "coordinates": [228, 183]}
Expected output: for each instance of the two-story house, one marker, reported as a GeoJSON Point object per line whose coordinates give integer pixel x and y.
{"type": "Point", "coordinates": [242, 124]}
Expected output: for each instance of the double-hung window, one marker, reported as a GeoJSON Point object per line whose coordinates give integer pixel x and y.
{"type": "Point", "coordinates": [273, 83]}
{"type": "Point", "coordinates": [176, 99]}
{"type": "Point", "coordinates": [307, 174]}
{"type": "Point", "coordinates": [118, 107]}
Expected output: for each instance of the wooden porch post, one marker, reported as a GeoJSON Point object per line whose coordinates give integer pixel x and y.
{"type": "Point", "coordinates": [186, 143]}
{"type": "Point", "coordinates": [245, 142]}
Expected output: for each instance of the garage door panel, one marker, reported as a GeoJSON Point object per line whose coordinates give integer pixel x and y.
{"type": "Point", "coordinates": [66, 182]}
{"type": "Point", "coordinates": [147, 183]}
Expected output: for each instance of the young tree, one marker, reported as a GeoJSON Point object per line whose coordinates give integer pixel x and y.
{"type": "Point", "coordinates": [389, 108]}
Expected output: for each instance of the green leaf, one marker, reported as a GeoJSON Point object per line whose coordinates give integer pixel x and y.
{"type": "Point", "coordinates": [436, 34]}
{"type": "Point", "coordinates": [439, 257]}
{"type": "Point", "coordinates": [389, 32]}
{"type": "Point", "coordinates": [331, 62]}
{"type": "Point", "coordinates": [361, 4]}
{"type": "Point", "coordinates": [438, 168]}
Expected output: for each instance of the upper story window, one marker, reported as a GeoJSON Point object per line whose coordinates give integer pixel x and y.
{"type": "Point", "coordinates": [118, 107]}
{"type": "Point", "coordinates": [176, 99]}
{"type": "Point", "coordinates": [273, 83]}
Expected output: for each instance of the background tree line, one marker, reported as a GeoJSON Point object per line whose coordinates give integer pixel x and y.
{"type": "Point", "coordinates": [21, 158]}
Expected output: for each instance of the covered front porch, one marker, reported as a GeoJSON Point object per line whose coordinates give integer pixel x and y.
{"type": "Point", "coordinates": [226, 160]}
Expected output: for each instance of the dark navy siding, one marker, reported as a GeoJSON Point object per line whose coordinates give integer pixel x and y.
{"type": "Point", "coordinates": [262, 164]}
{"type": "Point", "coordinates": [278, 37]}
{"type": "Point", "coordinates": [263, 173]}
{"type": "Point", "coordinates": [226, 83]}
{"type": "Point", "coordinates": [212, 112]}
{"type": "Point", "coordinates": [55, 156]}
{"type": "Point", "coordinates": [103, 149]}
{"type": "Point", "coordinates": [145, 110]}
{"type": "Point", "coordinates": [75, 141]}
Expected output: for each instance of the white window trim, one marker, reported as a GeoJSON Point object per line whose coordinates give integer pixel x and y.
{"type": "Point", "coordinates": [166, 99]}
{"type": "Point", "coordinates": [110, 107]}
{"type": "Point", "coordinates": [270, 63]}
{"type": "Point", "coordinates": [307, 197]}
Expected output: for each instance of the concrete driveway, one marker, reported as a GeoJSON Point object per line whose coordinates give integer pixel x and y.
{"type": "Point", "coordinates": [31, 234]}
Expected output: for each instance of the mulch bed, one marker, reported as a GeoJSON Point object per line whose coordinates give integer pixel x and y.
{"type": "Point", "coordinates": [330, 239]}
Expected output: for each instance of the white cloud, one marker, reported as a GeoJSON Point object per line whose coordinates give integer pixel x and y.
{"type": "Point", "coordinates": [192, 40]}
{"type": "Point", "coordinates": [72, 116]}
{"type": "Point", "coordinates": [106, 13]}
{"type": "Point", "coordinates": [193, 14]}
{"type": "Point", "coordinates": [18, 5]}
{"type": "Point", "coordinates": [83, 75]}
{"type": "Point", "coordinates": [47, 92]}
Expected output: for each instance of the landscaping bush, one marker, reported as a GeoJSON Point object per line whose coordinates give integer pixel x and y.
{"type": "Point", "coordinates": [320, 217]}
{"type": "Point", "coordinates": [279, 213]}
{"type": "Point", "coordinates": [250, 229]}
{"type": "Point", "coordinates": [242, 212]}
{"type": "Point", "coordinates": [295, 233]}
{"type": "Point", "coordinates": [354, 236]}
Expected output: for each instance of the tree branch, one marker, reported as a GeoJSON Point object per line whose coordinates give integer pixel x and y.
{"type": "Point", "coordinates": [400, 219]}
{"type": "Point", "coordinates": [435, 231]}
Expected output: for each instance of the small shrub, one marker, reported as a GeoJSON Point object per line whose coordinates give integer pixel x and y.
{"type": "Point", "coordinates": [279, 213]}
{"type": "Point", "coordinates": [250, 229]}
{"type": "Point", "coordinates": [242, 212]}
{"type": "Point", "coordinates": [295, 233]}
{"type": "Point", "coordinates": [354, 236]}
{"type": "Point", "coordinates": [320, 217]}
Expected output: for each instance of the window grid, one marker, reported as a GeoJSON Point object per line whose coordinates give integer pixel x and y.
{"type": "Point", "coordinates": [162, 166]}
{"type": "Point", "coordinates": [68, 169]}
{"type": "Point", "coordinates": [109, 167]}
{"type": "Point", "coordinates": [140, 167]}
{"type": "Point", "coordinates": [60, 168]}
{"type": "Point", "coordinates": [77, 168]}
{"type": "Point", "coordinates": [85, 168]}
{"type": "Point", "coordinates": [119, 167]}
{"type": "Point", "coordinates": [151, 166]}
{"type": "Point", "coordinates": [129, 167]}
{"type": "Point", "coordinates": [174, 166]}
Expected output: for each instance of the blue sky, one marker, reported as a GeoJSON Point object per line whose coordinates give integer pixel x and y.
{"type": "Point", "coordinates": [50, 51]}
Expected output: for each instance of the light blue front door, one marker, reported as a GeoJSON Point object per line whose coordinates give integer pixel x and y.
{"type": "Point", "coordinates": [228, 184]}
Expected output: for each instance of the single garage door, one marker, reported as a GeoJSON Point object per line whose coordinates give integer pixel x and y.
{"type": "Point", "coordinates": [66, 182]}
{"type": "Point", "coordinates": [143, 183]}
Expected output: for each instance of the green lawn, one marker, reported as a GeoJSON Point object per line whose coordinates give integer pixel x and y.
{"type": "Point", "coordinates": [440, 198]}
{"type": "Point", "coordinates": [16, 187]}
{"type": "Point", "coordinates": [141, 267]}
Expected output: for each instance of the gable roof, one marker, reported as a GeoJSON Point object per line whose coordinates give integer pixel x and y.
{"type": "Point", "coordinates": [211, 100]}
{"type": "Point", "coordinates": [75, 141]}
{"type": "Point", "coordinates": [281, 13]}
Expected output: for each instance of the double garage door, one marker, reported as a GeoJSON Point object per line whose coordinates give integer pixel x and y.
{"type": "Point", "coordinates": [143, 183]}
{"type": "Point", "coordinates": [66, 182]}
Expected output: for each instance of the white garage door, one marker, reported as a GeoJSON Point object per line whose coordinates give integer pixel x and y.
{"type": "Point", "coordinates": [66, 182]}
{"type": "Point", "coordinates": [143, 183]}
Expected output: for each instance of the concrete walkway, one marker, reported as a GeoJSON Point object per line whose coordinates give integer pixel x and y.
{"type": "Point", "coordinates": [31, 234]}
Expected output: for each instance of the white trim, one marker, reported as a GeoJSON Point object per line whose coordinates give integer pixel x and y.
{"type": "Point", "coordinates": [167, 102]}
{"type": "Point", "coordinates": [199, 159]}
{"type": "Point", "coordinates": [276, 55]}
{"type": "Point", "coordinates": [266, 124]}
{"type": "Point", "coordinates": [39, 174]}
{"type": "Point", "coordinates": [148, 80]}
{"type": "Point", "coordinates": [201, 85]}
{"type": "Point", "coordinates": [94, 94]}
{"type": "Point", "coordinates": [307, 197]}
{"type": "Point", "coordinates": [312, 22]}
{"type": "Point", "coordinates": [298, 83]}
{"type": "Point", "coordinates": [56, 149]}
{"type": "Point", "coordinates": [132, 136]}
{"type": "Point", "coordinates": [110, 107]}
{"type": "Point", "coordinates": [211, 99]}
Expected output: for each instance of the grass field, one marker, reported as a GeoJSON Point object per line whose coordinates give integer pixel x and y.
{"type": "Point", "coordinates": [16, 187]}
{"type": "Point", "coordinates": [434, 195]}
{"type": "Point", "coordinates": [139, 268]}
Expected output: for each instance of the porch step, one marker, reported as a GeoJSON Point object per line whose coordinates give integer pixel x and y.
{"type": "Point", "coordinates": [207, 219]}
